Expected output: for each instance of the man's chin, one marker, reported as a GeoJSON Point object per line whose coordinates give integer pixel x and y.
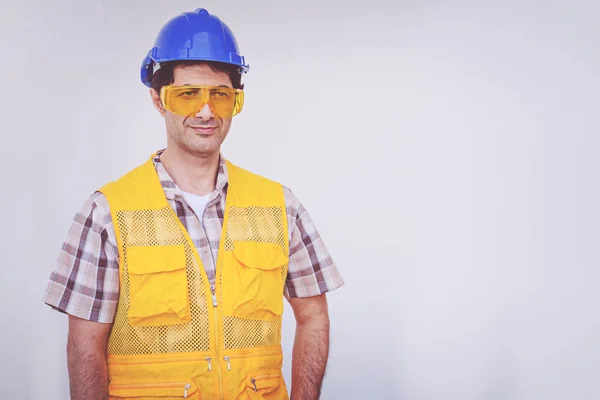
{"type": "Point", "coordinates": [204, 146]}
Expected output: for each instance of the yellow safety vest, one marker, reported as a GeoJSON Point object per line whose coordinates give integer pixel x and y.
{"type": "Point", "coordinates": [173, 336]}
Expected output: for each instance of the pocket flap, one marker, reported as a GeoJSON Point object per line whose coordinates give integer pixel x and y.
{"type": "Point", "coordinates": [152, 388]}
{"type": "Point", "coordinates": [265, 256]}
{"type": "Point", "coordinates": [264, 380]}
{"type": "Point", "coordinates": [154, 259]}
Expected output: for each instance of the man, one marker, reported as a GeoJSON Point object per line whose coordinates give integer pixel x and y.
{"type": "Point", "coordinates": [174, 275]}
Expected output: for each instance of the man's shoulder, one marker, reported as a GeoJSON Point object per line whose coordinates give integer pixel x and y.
{"type": "Point", "coordinates": [94, 212]}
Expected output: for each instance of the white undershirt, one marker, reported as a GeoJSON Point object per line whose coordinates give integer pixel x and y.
{"type": "Point", "coordinates": [198, 203]}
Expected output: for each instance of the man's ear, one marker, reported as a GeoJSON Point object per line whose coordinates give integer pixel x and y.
{"type": "Point", "coordinates": [156, 101]}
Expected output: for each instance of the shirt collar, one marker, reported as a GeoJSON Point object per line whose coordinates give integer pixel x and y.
{"type": "Point", "coordinates": [173, 192]}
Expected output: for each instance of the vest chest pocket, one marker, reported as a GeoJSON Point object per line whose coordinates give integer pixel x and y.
{"type": "Point", "coordinates": [257, 284]}
{"type": "Point", "coordinates": [158, 287]}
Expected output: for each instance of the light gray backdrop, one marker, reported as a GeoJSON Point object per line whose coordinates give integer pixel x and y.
{"type": "Point", "coordinates": [446, 150]}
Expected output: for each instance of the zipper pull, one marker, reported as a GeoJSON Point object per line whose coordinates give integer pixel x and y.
{"type": "Point", "coordinates": [226, 358]}
{"type": "Point", "coordinates": [209, 360]}
{"type": "Point", "coordinates": [254, 383]}
{"type": "Point", "coordinates": [214, 296]}
{"type": "Point", "coordinates": [185, 390]}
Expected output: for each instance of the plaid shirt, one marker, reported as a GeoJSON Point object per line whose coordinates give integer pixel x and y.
{"type": "Point", "coordinates": [85, 279]}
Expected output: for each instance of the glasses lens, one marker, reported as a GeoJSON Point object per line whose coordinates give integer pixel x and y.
{"type": "Point", "coordinates": [189, 100]}
{"type": "Point", "coordinates": [222, 101]}
{"type": "Point", "coordinates": [183, 101]}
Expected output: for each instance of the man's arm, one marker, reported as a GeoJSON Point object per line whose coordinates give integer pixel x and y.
{"type": "Point", "coordinates": [86, 359]}
{"type": "Point", "coordinates": [311, 346]}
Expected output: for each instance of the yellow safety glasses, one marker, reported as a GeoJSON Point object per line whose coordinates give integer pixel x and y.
{"type": "Point", "coordinates": [188, 100]}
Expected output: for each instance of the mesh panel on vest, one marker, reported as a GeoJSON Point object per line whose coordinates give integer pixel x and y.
{"type": "Point", "coordinates": [156, 228]}
{"type": "Point", "coordinates": [242, 333]}
{"type": "Point", "coordinates": [253, 224]}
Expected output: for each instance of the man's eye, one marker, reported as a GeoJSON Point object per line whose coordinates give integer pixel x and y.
{"type": "Point", "coordinates": [221, 93]}
{"type": "Point", "coordinates": [190, 93]}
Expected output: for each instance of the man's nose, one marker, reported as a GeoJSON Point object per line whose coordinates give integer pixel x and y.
{"type": "Point", "coordinates": [205, 113]}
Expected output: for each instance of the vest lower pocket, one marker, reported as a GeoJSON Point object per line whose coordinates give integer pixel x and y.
{"type": "Point", "coordinates": [258, 294]}
{"type": "Point", "coordinates": [266, 385]}
{"type": "Point", "coordinates": [153, 389]}
{"type": "Point", "coordinates": [158, 286]}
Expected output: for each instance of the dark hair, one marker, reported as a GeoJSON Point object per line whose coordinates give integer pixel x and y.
{"type": "Point", "coordinates": [164, 75]}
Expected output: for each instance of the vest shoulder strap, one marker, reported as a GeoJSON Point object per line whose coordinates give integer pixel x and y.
{"type": "Point", "coordinates": [249, 189]}
{"type": "Point", "coordinates": [140, 188]}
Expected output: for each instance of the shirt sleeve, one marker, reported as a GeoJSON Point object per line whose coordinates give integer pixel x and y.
{"type": "Point", "coordinates": [85, 279]}
{"type": "Point", "coordinates": [311, 270]}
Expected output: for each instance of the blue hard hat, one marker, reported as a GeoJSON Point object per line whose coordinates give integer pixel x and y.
{"type": "Point", "coordinates": [195, 35]}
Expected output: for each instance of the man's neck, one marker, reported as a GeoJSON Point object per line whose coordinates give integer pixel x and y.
{"type": "Point", "coordinates": [193, 174]}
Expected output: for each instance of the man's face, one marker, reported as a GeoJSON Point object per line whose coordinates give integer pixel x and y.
{"type": "Point", "coordinates": [200, 134]}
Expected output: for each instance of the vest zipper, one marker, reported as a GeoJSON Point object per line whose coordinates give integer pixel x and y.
{"type": "Point", "coordinates": [214, 297]}
{"type": "Point", "coordinates": [254, 354]}
{"type": "Point", "coordinates": [258, 354]}
{"type": "Point", "coordinates": [209, 361]}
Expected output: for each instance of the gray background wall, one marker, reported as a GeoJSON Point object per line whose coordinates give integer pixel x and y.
{"type": "Point", "coordinates": [446, 150]}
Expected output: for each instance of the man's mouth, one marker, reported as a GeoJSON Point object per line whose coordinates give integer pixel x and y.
{"type": "Point", "coordinates": [204, 130]}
